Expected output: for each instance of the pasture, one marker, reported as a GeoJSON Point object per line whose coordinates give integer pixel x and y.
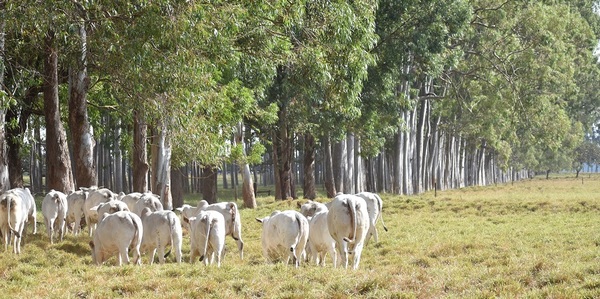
{"type": "Point", "coordinates": [536, 238]}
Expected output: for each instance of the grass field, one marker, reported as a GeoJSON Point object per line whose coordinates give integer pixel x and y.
{"type": "Point", "coordinates": [532, 239]}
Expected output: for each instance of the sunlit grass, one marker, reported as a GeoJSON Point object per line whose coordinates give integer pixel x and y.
{"type": "Point", "coordinates": [537, 238]}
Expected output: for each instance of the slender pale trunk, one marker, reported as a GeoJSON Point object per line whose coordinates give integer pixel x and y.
{"type": "Point", "coordinates": [81, 130]}
{"type": "Point", "coordinates": [339, 164]}
{"type": "Point", "coordinates": [247, 180]}
{"type": "Point", "coordinates": [59, 176]}
{"type": "Point", "coordinates": [161, 165]}
{"type": "Point", "coordinates": [349, 187]}
{"type": "Point", "coordinates": [118, 159]}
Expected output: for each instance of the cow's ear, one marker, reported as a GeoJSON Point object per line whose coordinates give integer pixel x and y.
{"type": "Point", "coordinates": [259, 220]}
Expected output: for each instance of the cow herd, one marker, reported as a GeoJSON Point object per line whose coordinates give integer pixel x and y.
{"type": "Point", "coordinates": [122, 223]}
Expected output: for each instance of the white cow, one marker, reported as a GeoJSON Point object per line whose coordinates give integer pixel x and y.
{"type": "Point", "coordinates": [29, 204]}
{"type": "Point", "coordinates": [117, 233]}
{"type": "Point", "coordinates": [54, 210]}
{"type": "Point", "coordinates": [348, 223]}
{"type": "Point", "coordinates": [95, 197]}
{"type": "Point", "coordinates": [13, 216]}
{"type": "Point", "coordinates": [109, 207]}
{"type": "Point", "coordinates": [147, 200]}
{"type": "Point", "coordinates": [187, 212]}
{"type": "Point", "coordinates": [233, 222]}
{"type": "Point", "coordinates": [76, 202]}
{"type": "Point", "coordinates": [131, 199]}
{"type": "Point", "coordinates": [374, 208]}
{"type": "Point", "coordinates": [284, 236]}
{"type": "Point", "coordinates": [161, 228]}
{"type": "Point", "coordinates": [320, 241]}
{"type": "Point", "coordinates": [207, 237]}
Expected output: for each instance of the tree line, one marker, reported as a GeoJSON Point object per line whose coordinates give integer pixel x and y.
{"type": "Point", "coordinates": [387, 96]}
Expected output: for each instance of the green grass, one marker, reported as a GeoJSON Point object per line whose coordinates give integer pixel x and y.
{"type": "Point", "coordinates": [532, 239]}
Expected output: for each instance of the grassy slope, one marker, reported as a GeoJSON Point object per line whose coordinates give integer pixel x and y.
{"type": "Point", "coordinates": [536, 238]}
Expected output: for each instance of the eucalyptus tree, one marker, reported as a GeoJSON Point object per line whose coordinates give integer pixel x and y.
{"type": "Point", "coordinates": [3, 99]}
{"type": "Point", "coordinates": [316, 88]}
{"type": "Point", "coordinates": [415, 45]}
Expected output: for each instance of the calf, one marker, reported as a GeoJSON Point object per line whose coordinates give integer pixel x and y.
{"type": "Point", "coordinates": [75, 203]}
{"type": "Point", "coordinates": [147, 200]}
{"type": "Point", "coordinates": [95, 197]}
{"type": "Point", "coordinates": [233, 223]}
{"type": "Point", "coordinates": [207, 237]}
{"type": "Point", "coordinates": [348, 223]}
{"type": "Point", "coordinates": [54, 210]}
{"type": "Point", "coordinates": [374, 208]}
{"type": "Point", "coordinates": [284, 236]}
{"type": "Point", "coordinates": [320, 241]}
{"type": "Point", "coordinates": [161, 228]}
{"type": "Point", "coordinates": [116, 233]}
{"type": "Point", "coordinates": [13, 216]}
{"type": "Point", "coordinates": [187, 212]}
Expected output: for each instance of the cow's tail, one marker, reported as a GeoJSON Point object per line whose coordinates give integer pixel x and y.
{"type": "Point", "coordinates": [209, 224]}
{"type": "Point", "coordinates": [381, 211]}
{"type": "Point", "coordinates": [8, 202]}
{"type": "Point", "coordinates": [352, 211]}
{"type": "Point", "coordinates": [233, 228]}
{"type": "Point", "coordinates": [136, 238]}
{"type": "Point", "coordinates": [302, 228]}
{"type": "Point", "coordinates": [171, 228]}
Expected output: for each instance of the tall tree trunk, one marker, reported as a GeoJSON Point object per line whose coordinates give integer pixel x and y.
{"type": "Point", "coordinates": [118, 159]}
{"type": "Point", "coordinates": [81, 130]}
{"type": "Point", "coordinates": [178, 186]}
{"type": "Point", "coordinates": [282, 147]}
{"type": "Point", "coordinates": [59, 176]}
{"type": "Point", "coordinates": [209, 184]}
{"type": "Point", "coordinates": [161, 165]}
{"type": "Point", "coordinates": [140, 155]}
{"type": "Point", "coordinates": [14, 138]}
{"type": "Point", "coordinates": [4, 183]}
{"type": "Point", "coordinates": [224, 173]}
{"type": "Point", "coordinates": [349, 187]}
{"type": "Point", "coordinates": [309, 187]}
{"type": "Point", "coordinates": [329, 179]}
{"type": "Point", "coordinates": [247, 180]}
{"type": "Point", "coordinates": [339, 164]}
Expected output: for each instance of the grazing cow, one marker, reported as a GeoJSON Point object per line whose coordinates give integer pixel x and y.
{"type": "Point", "coordinates": [109, 207]}
{"type": "Point", "coordinates": [54, 209]}
{"type": "Point", "coordinates": [187, 212]}
{"type": "Point", "coordinates": [284, 236]}
{"type": "Point", "coordinates": [76, 202]}
{"type": "Point", "coordinates": [348, 223]}
{"type": "Point", "coordinates": [131, 199]}
{"type": "Point", "coordinates": [207, 237]}
{"type": "Point", "coordinates": [320, 241]}
{"type": "Point", "coordinates": [13, 216]}
{"type": "Point", "coordinates": [374, 208]}
{"type": "Point", "coordinates": [147, 200]}
{"type": "Point", "coordinates": [161, 228]}
{"type": "Point", "coordinates": [233, 223]}
{"type": "Point", "coordinates": [117, 233]}
{"type": "Point", "coordinates": [95, 197]}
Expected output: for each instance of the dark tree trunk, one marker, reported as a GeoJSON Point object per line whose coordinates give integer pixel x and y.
{"type": "Point", "coordinates": [209, 184]}
{"type": "Point", "coordinates": [309, 167]}
{"type": "Point", "coordinates": [14, 137]}
{"type": "Point", "coordinates": [140, 154]}
{"type": "Point", "coordinates": [177, 186]}
{"type": "Point", "coordinates": [58, 174]}
{"type": "Point", "coordinates": [329, 179]}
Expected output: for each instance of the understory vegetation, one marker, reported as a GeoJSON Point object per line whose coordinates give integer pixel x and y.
{"type": "Point", "coordinates": [535, 238]}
